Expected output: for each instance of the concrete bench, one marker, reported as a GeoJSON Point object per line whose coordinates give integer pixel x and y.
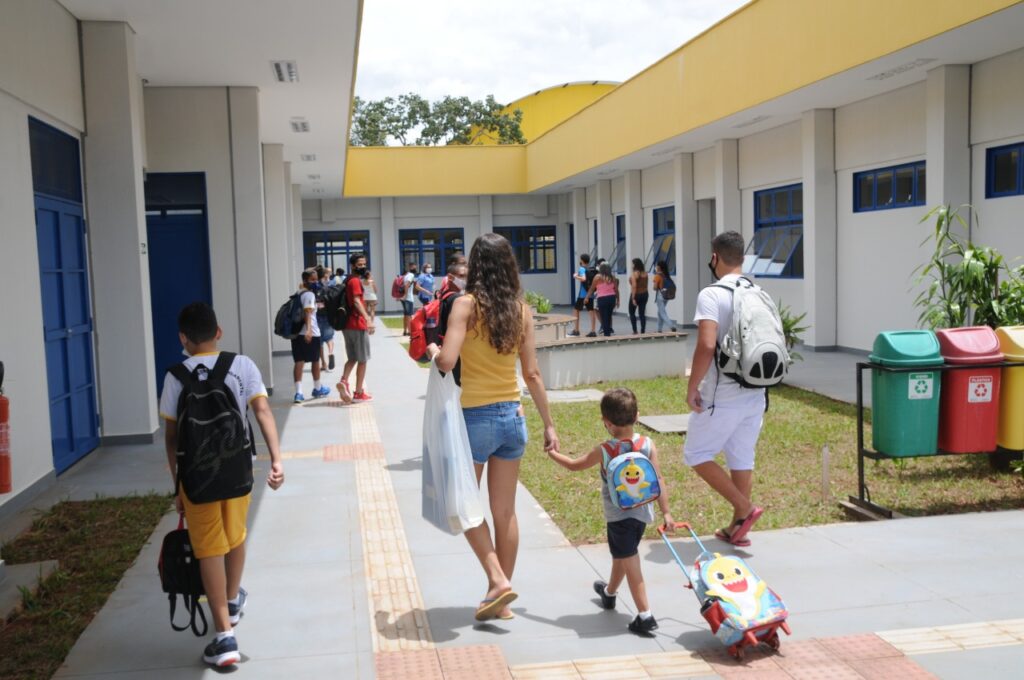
{"type": "Point", "coordinates": [549, 326]}
{"type": "Point", "coordinates": [568, 362]}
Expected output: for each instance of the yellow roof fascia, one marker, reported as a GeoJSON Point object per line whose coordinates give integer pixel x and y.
{"type": "Point", "coordinates": [435, 170]}
{"type": "Point", "coordinates": [762, 51]}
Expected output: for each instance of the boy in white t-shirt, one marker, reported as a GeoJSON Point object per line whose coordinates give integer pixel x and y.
{"type": "Point", "coordinates": [217, 529]}
{"type": "Point", "coordinates": [726, 417]}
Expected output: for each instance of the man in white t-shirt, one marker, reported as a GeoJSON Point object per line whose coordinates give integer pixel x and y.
{"type": "Point", "coordinates": [306, 345]}
{"type": "Point", "coordinates": [726, 417]}
{"type": "Point", "coordinates": [409, 289]}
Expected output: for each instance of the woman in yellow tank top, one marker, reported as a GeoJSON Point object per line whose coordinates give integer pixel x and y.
{"type": "Point", "coordinates": [488, 329]}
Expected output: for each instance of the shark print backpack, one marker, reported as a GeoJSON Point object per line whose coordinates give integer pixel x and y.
{"type": "Point", "coordinates": [628, 471]}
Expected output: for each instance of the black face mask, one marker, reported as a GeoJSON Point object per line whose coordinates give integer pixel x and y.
{"type": "Point", "coordinates": [711, 266]}
{"type": "Point", "coordinates": [359, 271]}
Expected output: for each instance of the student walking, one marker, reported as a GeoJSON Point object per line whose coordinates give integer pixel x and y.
{"type": "Point", "coordinates": [605, 289]}
{"type": "Point", "coordinates": [408, 295]}
{"type": "Point", "coordinates": [726, 416]}
{"type": "Point", "coordinates": [488, 328]}
{"type": "Point", "coordinates": [324, 323]}
{"type": "Point", "coordinates": [625, 527]}
{"type": "Point", "coordinates": [215, 498]}
{"type": "Point", "coordinates": [664, 290]}
{"type": "Point", "coordinates": [584, 277]}
{"type": "Point", "coordinates": [358, 329]}
{"type": "Point", "coordinates": [425, 284]}
{"type": "Point", "coordinates": [306, 345]}
{"type": "Point", "coordinates": [638, 295]}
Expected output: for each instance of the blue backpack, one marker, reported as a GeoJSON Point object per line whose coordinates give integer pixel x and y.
{"type": "Point", "coordinates": [629, 473]}
{"type": "Point", "coordinates": [290, 318]}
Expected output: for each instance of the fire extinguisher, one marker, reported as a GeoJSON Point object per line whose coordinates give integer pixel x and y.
{"type": "Point", "coordinates": [5, 437]}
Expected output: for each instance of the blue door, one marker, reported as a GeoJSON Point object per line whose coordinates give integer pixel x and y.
{"type": "Point", "coordinates": [67, 325]}
{"type": "Point", "coordinates": [179, 274]}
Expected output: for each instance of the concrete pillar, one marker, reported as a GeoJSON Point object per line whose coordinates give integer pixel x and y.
{"type": "Point", "coordinates": [298, 256]}
{"type": "Point", "coordinates": [116, 201]}
{"type": "Point", "coordinates": [254, 320]}
{"type": "Point", "coordinates": [687, 240]}
{"type": "Point", "coordinates": [605, 219]}
{"type": "Point", "coordinates": [727, 186]}
{"type": "Point", "coordinates": [819, 242]}
{"type": "Point", "coordinates": [486, 220]}
{"type": "Point", "coordinates": [635, 246]}
{"type": "Point", "coordinates": [274, 206]}
{"type": "Point", "coordinates": [289, 212]}
{"type": "Point", "coordinates": [393, 265]}
{"type": "Point", "coordinates": [947, 143]}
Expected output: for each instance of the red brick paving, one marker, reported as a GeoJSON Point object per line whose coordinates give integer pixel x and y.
{"type": "Point", "coordinates": [860, 647]}
{"type": "Point", "coordinates": [885, 669]}
{"type": "Point", "coordinates": [479, 662]}
{"type": "Point", "coordinates": [421, 664]}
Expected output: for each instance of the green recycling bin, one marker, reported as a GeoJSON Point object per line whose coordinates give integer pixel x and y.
{"type": "Point", "coordinates": [905, 406]}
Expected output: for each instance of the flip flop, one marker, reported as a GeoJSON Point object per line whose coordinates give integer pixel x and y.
{"type": "Point", "coordinates": [741, 532]}
{"type": "Point", "coordinates": [723, 535]}
{"type": "Point", "coordinates": [489, 608]}
{"type": "Point", "coordinates": [507, 617]}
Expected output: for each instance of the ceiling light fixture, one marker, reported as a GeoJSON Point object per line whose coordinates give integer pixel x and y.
{"type": "Point", "coordinates": [609, 171]}
{"type": "Point", "coordinates": [307, 157]}
{"type": "Point", "coordinates": [299, 125]}
{"type": "Point", "coordinates": [902, 68]}
{"type": "Point", "coordinates": [313, 176]}
{"type": "Point", "coordinates": [666, 152]}
{"type": "Point", "coordinates": [285, 71]}
{"type": "Point", "coordinates": [753, 121]}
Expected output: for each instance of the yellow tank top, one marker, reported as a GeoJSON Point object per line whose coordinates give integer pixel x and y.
{"type": "Point", "coordinates": [487, 377]}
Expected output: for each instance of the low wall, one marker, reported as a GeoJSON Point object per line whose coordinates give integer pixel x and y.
{"type": "Point", "coordinates": [572, 362]}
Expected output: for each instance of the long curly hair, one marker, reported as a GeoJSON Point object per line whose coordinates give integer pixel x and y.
{"type": "Point", "coordinates": [493, 281]}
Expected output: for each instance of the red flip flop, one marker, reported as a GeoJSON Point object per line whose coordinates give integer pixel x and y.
{"type": "Point", "coordinates": [723, 535]}
{"type": "Point", "coordinates": [748, 522]}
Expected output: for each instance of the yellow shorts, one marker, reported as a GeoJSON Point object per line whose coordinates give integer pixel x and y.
{"type": "Point", "coordinates": [216, 528]}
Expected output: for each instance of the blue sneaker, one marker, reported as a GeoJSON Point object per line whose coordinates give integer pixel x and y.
{"type": "Point", "coordinates": [235, 610]}
{"type": "Point", "coordinates": [299, 398]}
{"type": "Point", "coordinates": [322, 392]}
{"type": "Point", "coordinates": [223, 652]}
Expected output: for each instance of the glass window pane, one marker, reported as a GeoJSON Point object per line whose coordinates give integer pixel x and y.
{"type": "Point", "coordinates": [781, 204]}
{"type": "Point", "coordinates": [797, 207]}
{"type": "Point", "coordinates": [922, 186]}
{"type": "Point", "coordinates": [764, 205]}
{"type": "Point", "coordinates": [883, 189]}
{"type": "Point", "coordinates": [905, 186]}
{"type": "Point", "coordinates": [865, 185]}
{"type": "Point", "coordinates": [1005, 171]}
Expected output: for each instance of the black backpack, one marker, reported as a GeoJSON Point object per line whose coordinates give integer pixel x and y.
{"type": "Point", "coordinates": [215, 443]}
{"type": "Point", "coordinates": [336, 305]}
{"type": "Point", "coordinates": [180, 575]}
{"type": "Point", "coordinates": [290, 318]}
{"type": "Point", "coordinates": [590, 276]}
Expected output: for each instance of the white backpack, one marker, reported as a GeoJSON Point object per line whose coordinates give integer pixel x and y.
{"type": "Point", "coordinates": [753, 352]}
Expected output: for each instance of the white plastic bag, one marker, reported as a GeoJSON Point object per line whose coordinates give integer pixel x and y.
{"type": "Point", "coordinates": [451, 496]}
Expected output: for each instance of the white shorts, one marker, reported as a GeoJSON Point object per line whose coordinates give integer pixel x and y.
{"type": "Point", "coordinates": [732, 428]}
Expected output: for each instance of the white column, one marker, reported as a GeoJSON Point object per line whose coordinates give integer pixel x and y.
{"type": "Point", "coordinates": [948, 150]}
{"type": "Point", "coordinates": [254, 317]}
{"type": "Point", "coordinates": [605, 219]}
{"type": "Point", "coordinates": [819, 241]}
{"type": "Point", "coordinates": [635, 246]}
{"type": "Point", "coordinates": [486, 220]}
{"type": "Point", "coordinates": [687, 246]}
{"type": "Point", "coordinates": [393, 265]}
{"type": "Point", "coordinates": [298, 256]}
{"type": "Point", "coordinates": [115, 198]}
{"type": "Point", "coordinates": [727, 186]}
{"type": "Point", "coordinates": [278, 246]}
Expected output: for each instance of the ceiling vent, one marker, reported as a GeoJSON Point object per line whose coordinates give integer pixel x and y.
{"type": "Point", "coordinates": [299, 125]}
{"type": "Point", "coordinates": [307, 157]}
{"type": "Point", "coordinates": [609, 171]}
{"type": "Point", "coordinates": [902, 68]}
{"type": "Point", "coordinates": [666, 152]}
{"type": "Point", "coordinates": [285, 71]}
{"type": "Point", "coordinates": [313, 176]}
{"type": "Point", "coordinates": [753, 121]}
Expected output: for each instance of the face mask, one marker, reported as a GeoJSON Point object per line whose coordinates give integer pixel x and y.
{"type": "Point", "coordinates": [359, 271]}
{"type": "Point", "coordinates": [459, 283]}
{"type": "Point", "coordinates": [711, 266]}
{"type": "Point", "coordinates": [427, 271]}
{"type": "Point", "coordinates": [315, 286]}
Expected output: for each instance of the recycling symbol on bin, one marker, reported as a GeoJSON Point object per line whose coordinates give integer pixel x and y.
{"type": "Point", "coordinates": [921, 387]}
{"type": "Point", "coordinates": [981, 390]}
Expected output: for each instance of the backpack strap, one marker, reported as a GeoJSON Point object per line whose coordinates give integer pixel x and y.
{"type": "Point", "coordinates": [220, 369]}
{"type": "Point", "coordinates": [181, 372]}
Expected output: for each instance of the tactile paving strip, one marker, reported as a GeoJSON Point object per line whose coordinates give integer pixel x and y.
{"type": "Point", "coordinates": [364, 425]}
{"type": "Point", "coordinates": [957, 637]}
{"type": "Point", "coordinates": [421, 664]}
{"type": "Point", "coordinates": [479, 662]}
{"type": "Point", "coordinates": [363, 451]}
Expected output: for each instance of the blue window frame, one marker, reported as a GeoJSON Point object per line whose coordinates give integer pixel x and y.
{"type": "Point", "coordinates": [534, 247]}
{"type": "Point", "coordinates": [429, 246]}
{"type": "Point", "coordinates": [1004, 171]}
{"type": "Point", "coordinates": [618, 256]}
{"type": "Point", "coordinates": [899, 186]}
{"type": "Point", "coordinates": [331, 249]}
{"type": "Point", "coordinates": [663, 247]}
{"type": "Point", "coordinates": [777, 247]}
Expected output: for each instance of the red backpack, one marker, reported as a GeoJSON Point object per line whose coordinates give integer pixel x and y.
{"type": "Point", "coordinates": [398, 287]}
{"type": "Point", "coordinates": [424, 327]}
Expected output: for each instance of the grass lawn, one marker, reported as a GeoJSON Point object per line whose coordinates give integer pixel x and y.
{"type": "Point", "coordinates": [392, 322]}
{"type": "Point", "coordinates": [788, 473]}
{"type": "Point", "coordinates": [94, 542]}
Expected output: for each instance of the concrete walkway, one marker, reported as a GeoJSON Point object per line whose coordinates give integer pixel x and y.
{"type": "Point", "coordinates": [346, 578]}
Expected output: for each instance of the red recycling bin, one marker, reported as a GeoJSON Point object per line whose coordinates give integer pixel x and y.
{"type": "Point", "coordinates": [969, 406]}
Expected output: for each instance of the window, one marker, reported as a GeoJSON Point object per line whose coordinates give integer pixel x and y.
{"type": "Point", "coordinates": [534, 247]}
{"type": "Point", "coordinates": [663, 248]}
{"type": "Point", "coordinates": [331, 249]}
{"type": "Point", "coordinates": [433, 246]}
{"type": "Point", "coordinates": [777, 248]}
{"type": "Point", "coordinates": [56, 169]}
{"type": "Point", "coordinates": [1005, 174]}
{"type": "Point", "coordinates": [900, 186]}
{"type": "Point", "coordinates": [618, 256]}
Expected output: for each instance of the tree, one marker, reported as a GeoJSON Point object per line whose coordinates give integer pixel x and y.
{"type": "Point", "coordinates": [450, 120]}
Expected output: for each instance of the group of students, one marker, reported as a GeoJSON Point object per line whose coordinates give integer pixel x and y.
{"type": "Point", "coordinates": [599, 295]}
{"type": "Point", "coordinates": [489, 330]}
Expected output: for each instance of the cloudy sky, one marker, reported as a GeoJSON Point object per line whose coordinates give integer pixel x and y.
{"type": "Point", "coordinates": [510, 49]}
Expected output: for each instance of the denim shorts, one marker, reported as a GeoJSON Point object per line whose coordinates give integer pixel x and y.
{"type": "Point", "coordinates": [496, 430]}
{"type": "Point", "coordinates": [407, 307]}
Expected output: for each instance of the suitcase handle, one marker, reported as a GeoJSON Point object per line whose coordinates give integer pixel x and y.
{"type": "Point", "coordinates": [662, 528]}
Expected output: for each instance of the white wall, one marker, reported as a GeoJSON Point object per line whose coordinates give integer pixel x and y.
{"type": "Point", "coordinates": [770, 157]}
{"type": "Point", "coordinates": [619, 195]}
{"type": "Point", "coordinates": [996, 120]}
{"type": "Point", "coordinates": [656, 185]}
{"type": "Point", "coordinates": [704, 174]}
{"type": "Point", "coordinates": [881, 130]}
{"type": "Point", "coordinates": [187, 130]}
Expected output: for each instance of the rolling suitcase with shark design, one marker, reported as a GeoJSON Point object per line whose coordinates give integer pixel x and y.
{"type": "Point", "coordinates": [740, 608]}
